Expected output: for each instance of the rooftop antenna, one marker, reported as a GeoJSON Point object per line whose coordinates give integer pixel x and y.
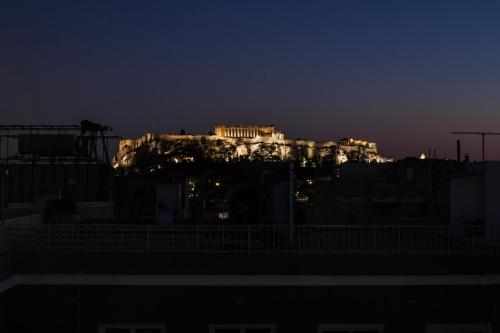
{"type": "Point", "coordinates": [483, 134]}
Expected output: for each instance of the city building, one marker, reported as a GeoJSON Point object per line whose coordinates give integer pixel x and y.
{"type": "Point", "coordinates": [410, 191]}
{"type": "Point", "coordinates": [475, 198]}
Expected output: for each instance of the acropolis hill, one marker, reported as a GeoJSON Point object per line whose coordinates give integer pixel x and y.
{"type": "Point", "coordinates": [236, 142]}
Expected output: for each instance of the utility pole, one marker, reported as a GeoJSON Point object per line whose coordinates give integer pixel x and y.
{"type": "Point", "coordinates": [483, 134]}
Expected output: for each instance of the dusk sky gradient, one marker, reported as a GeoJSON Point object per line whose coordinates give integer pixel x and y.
{"type": "Point", "coordinates": [401, 73]}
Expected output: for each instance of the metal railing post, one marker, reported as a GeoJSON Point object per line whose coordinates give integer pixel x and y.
{"type": "Point", "coordinates": [223, 239]}
{"type": "Point", "coordinates": [274, 238]}
{"type": "Point", "coordinates": [399, 239]}
{"type": "Point", "coordinates": [424, 240]}
{"type": "Point", "coordinates": [197, 239]}
{"type": "Point", "coordinates": [97, 242]}
{"type": "Point", "coordinates": [47, 238]}
{"type": "Point", "coordinates": [249, 244]}
{"type": "Point", "coordinates": [299, 234]}
{"type": "Point", "coordinates": [72, 238]}
{"type": "Point", "coordinates": [448, 236]}
{"type": "Point", "coordinates": [323, 241]}
{"type": "Point", "coordinates": [349, 239]}
{"type": "Point", "coordinates": [122, 239]}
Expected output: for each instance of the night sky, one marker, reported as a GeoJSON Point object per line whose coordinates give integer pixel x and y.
{"type": "Point", "coordinates": [401, 73]}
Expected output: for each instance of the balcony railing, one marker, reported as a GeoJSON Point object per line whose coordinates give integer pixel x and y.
{"type": "Point", "coordinates": [250, 239]}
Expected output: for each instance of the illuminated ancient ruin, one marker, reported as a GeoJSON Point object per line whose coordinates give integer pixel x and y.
{"type": "Point", "coordinates": [231, 131]}
{"type": "Point", "coordinates": [236, 142]}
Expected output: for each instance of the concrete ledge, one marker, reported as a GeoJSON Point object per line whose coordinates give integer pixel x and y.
{"type": "Point", "coordinates": [248, 280]}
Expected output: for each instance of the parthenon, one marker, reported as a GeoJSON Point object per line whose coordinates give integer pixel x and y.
{"type": "Point", "coordinates": [238, 131]}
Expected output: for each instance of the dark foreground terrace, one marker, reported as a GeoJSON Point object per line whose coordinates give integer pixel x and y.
{"type": "Point", "coordinates": [123, 278]}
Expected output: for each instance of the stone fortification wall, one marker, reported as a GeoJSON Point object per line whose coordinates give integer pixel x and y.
{"type": "Point", "coordinates": [267, 147]}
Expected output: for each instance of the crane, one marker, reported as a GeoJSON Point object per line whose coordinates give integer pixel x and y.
{"type": "Point", "coordinates": [483, 134]}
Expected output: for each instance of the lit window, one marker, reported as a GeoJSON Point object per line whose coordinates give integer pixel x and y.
{"type": "Point", "coordinates": [223, 215]}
